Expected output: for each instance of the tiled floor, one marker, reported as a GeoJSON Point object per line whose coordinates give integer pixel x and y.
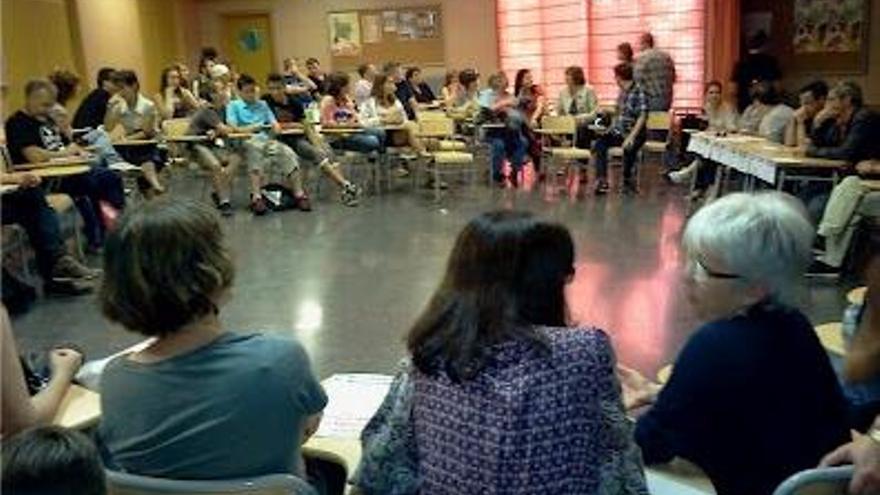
{"type": "Point", "coordinates": [349, 282]}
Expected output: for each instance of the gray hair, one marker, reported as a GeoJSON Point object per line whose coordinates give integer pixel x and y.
{"type": "Point", "coordinates": [848, 89]}
{"type": "Point", "coordinates": [764, 238]}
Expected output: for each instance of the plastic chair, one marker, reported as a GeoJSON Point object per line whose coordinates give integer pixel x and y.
{"type": "Point", "coordinates": [822, 481]}
{"type": "Point", "coordinates": [274, 484]}
{"type": "Point", "coordinates": [565, 127]}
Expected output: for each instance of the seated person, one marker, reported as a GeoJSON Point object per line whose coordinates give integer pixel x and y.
{"type": "Point", "coordinates": [202, 82]}
{"type": "Point", "coordinates": [628, 131]}
{"type": "Point", "coordinates": [309, 146]}
{"type": "Point", "coordinates": [864, 454]}
{"type": "Point", "coordinates": [383, 108]}
{"type": "Point", "coordinates": [66, 86]}
{"type": "Point", "coordinates": [578, 100]}
{"type": "Point", "coordinates": [490, 359]}
{"type": "Point", "coordinates": [777, 117]}
{"type": "Point", "coordinates": [138, 118]}
{"type": "Point", "coordinates": [452, 89]}
{"type": "Point", "coordinates": [363, 88]}
{"type": "Point", "coordinates": [297, 84]}
{"type": "Point", "coordinates": [52, 460]}
{"type": "Point", "coordinates": [21, 410]}
{"type": "Point", "coordinates": [752, 398]}
{"type": "Point", "coordinates": [200, 402]}
{"type": "Point", "coordinates": [33, 137]}
{"type": "Point", "coordinates": [845, 129]}
{"type": "Point", "coordinates": [531, 102]}
{"type": "Point", "coordinates": [849, 203]}
{"type": "Point", "coordinates": [466, 104]}
{"type": "Point", "coordinates": [499, 105]}
{"type": "Point", "coordinates": [220, 157]}
{"type": "Point", "coordinates": [93, 108]}
{"type": "Point", "coordinates": [404, 90]}
{"type": "Point", "coordinates": [421, 90]}
{"type": "Point", "coordinates": [27, 207]}
{"type": "Point", "coordinates": [174, 101]}
{"type": "Point", "coordinates": [317, 76]}
{"type": "Point", "coordinates": [337, 110]}
{"type": "Point", "coordinates": [751, 117]}
{"type": "Point", "coordinates": [720, 117]}
{"type": "Point", "coordinates": [812, 99]}
{"type": "Point", "coordinates": [264, 156]}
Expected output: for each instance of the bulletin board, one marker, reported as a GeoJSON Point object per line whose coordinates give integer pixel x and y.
{"type": "Point", "coordinates": [409, 35]}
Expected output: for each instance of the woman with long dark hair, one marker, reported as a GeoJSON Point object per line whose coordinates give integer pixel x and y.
{"type": "Point", "coordinates": [531, 102]}
{"type": "Point", "coordinates": [174, 100]}
{"type": "Point", "coordinates": [501, 395]}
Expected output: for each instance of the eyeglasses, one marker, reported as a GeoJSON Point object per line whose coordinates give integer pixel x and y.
{"type": "Point", "coordinates": [713, 274]}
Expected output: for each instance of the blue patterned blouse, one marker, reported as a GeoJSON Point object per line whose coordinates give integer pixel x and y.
{"type": "Point", "coordinates": [530, 422]}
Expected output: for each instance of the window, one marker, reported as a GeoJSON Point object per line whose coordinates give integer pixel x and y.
{"type": "Point", "coordinates": [549, 35]}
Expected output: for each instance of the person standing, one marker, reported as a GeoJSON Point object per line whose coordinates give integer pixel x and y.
{"type": "Point", "coordinates": [655, 72]}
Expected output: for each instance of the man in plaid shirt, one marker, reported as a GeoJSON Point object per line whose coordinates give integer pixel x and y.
{"type": "Point", "coordinates": [627, 130]}
{"type": "Point", "coordinates": [655, 72]}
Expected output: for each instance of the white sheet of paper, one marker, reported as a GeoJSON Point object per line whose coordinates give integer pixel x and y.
{"type": "Point", "coordinates": [353, 398]}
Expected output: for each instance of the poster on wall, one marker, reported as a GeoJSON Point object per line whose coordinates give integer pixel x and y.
{"type": "Point", "coordinates": [371, 26]}
{"type": "Point", "coordinates": [389, 21]}
{"type": "Point", "coordinates": [345, 34]}
{"type": "Point", "coordinates": [829, 26]}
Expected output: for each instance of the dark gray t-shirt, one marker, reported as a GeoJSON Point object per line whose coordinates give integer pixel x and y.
{"type": "Point", "coordinates": [204, 120]}
{"type": "Point", "coordinates": [232, 409]}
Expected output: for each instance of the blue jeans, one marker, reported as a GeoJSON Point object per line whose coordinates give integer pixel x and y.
{"type": "Point", "coordinates": [105, 153]}
{"type": "Point", "coordinates": [507, 143]}
{"type": "Point", "coordinates": [87, 191]}
{"type": "Point", "coordinates": [28, 208]}
{"type": "Point", "coordinates": [371, 140]}
{"type": "Point", "coordinates": [604, 142]}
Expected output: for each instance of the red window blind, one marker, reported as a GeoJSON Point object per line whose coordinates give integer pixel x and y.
{"type": "Point", "coordinates": [549, 35]}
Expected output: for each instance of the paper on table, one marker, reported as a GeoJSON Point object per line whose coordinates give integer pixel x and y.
{"type": "Point", "coordinates": [353, 398]}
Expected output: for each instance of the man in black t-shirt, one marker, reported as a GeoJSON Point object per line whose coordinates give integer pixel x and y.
{"type": "Point", "coordinates": [310, 145]}
{"type": "Point", "coordinates": [404, 90]}
{"type": "Point", "coordinates": [93, 109]}
{"type": "Point", "coordinates": [33, 137]}
{"type": "Point", "coordinates": [318, 77]}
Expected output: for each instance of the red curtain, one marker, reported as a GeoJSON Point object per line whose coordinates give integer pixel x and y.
{"type": "Point", "coordinates": [548, 35]}
{"type": "Point", "coordinates": [723, 28]}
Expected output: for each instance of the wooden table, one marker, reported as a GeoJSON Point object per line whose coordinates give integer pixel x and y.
{"type": "Point", "coordinates": [80, 408]}
{"type": "Point", "coordinates": [188, 139]}
{"type": "Point", "coordinates": [340, 131]}
{"type": "Point", "coordinates": [60, 171]}
{"type": "Point", "coordinates": [70, 161]}
{"type": "Point", "coordinates": [135, 142]}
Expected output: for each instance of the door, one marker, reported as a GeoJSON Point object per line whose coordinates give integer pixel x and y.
{"type": "Point", "coordinates": [247, 42]}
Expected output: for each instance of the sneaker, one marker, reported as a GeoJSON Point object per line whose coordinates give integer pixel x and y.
{"type": "Point", "coordinates": [258, 206]}
{"type": "Point", "coordinates": [302, 203]}
{"type": "Point", "coordinates": [68, 268]}
{"type": "Point", "coordinates": [601, 187]}
{"type": "Point", "coordinates": [351, 195]}
{"type": "Point", "coordinates": [68, 287]}
{"type": "Point", "coordinates": [680, 176]}
{"type": "Point", "coordinates": [225, 209]}
{"type": "Point", "coordinates": [823, 270]}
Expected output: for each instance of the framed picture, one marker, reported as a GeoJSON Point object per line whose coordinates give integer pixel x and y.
{"type": "Point", "coordinates": [345, 34]}
{"type": "Point", "coordinates": [831, 35]}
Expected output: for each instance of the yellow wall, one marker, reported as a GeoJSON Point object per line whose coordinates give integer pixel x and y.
{"type": "Point", "coordinates": [37, 36]}
{"type": "Point", "coordinates": [300, 27]}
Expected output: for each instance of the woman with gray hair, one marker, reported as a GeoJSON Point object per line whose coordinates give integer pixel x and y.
{"type": "Point", "coordinates": [752, 398]}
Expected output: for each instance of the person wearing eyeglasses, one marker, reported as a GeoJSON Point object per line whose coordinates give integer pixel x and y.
{"type": "Point", "coordinates": [752, 398]}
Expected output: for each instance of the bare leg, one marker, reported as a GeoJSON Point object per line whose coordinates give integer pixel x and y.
{"type": "Point", "coordinates": [256, 183]}
{"type": "Point", "coordinates": [331, 170]}
{"type": "Point", "coordinates": [152, 177]}
{"type": "Point", "coordinates": [295, 183]}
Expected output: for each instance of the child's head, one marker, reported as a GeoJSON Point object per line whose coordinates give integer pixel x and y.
{"type": "Point", "coordinates": [52, 460]}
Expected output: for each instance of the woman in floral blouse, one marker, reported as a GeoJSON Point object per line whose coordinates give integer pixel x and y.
{"type": "Point", "coordinates": [500, 395]}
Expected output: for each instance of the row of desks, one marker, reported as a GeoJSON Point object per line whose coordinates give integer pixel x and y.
{"type": "Point", "coordinates": [758, 158]}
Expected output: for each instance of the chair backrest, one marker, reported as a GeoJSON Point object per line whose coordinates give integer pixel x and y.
{"type": "Point", "coordinates": [559, 123]}
{"type": "Point", "coordinates": [437, 127]}
{"type": "Point", "coordinates": [823, 481]}
{"type": "Point", "coordinates": [424, 115]}
{"type": "Point", "coordinates": [275, 484]}
{"type": "Point", "coordinates": [659, 121]}
{"type": "Point", "coordinates": [173, 128]}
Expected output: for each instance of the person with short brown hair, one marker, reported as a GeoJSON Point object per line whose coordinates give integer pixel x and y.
{"type": "Point", "coordinates": [199, 402]}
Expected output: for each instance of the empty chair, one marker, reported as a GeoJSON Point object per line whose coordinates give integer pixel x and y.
{"type": "Point", "coordinates": [274, 484]}
{"type": "Point", "coordinates": [822, 481]}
